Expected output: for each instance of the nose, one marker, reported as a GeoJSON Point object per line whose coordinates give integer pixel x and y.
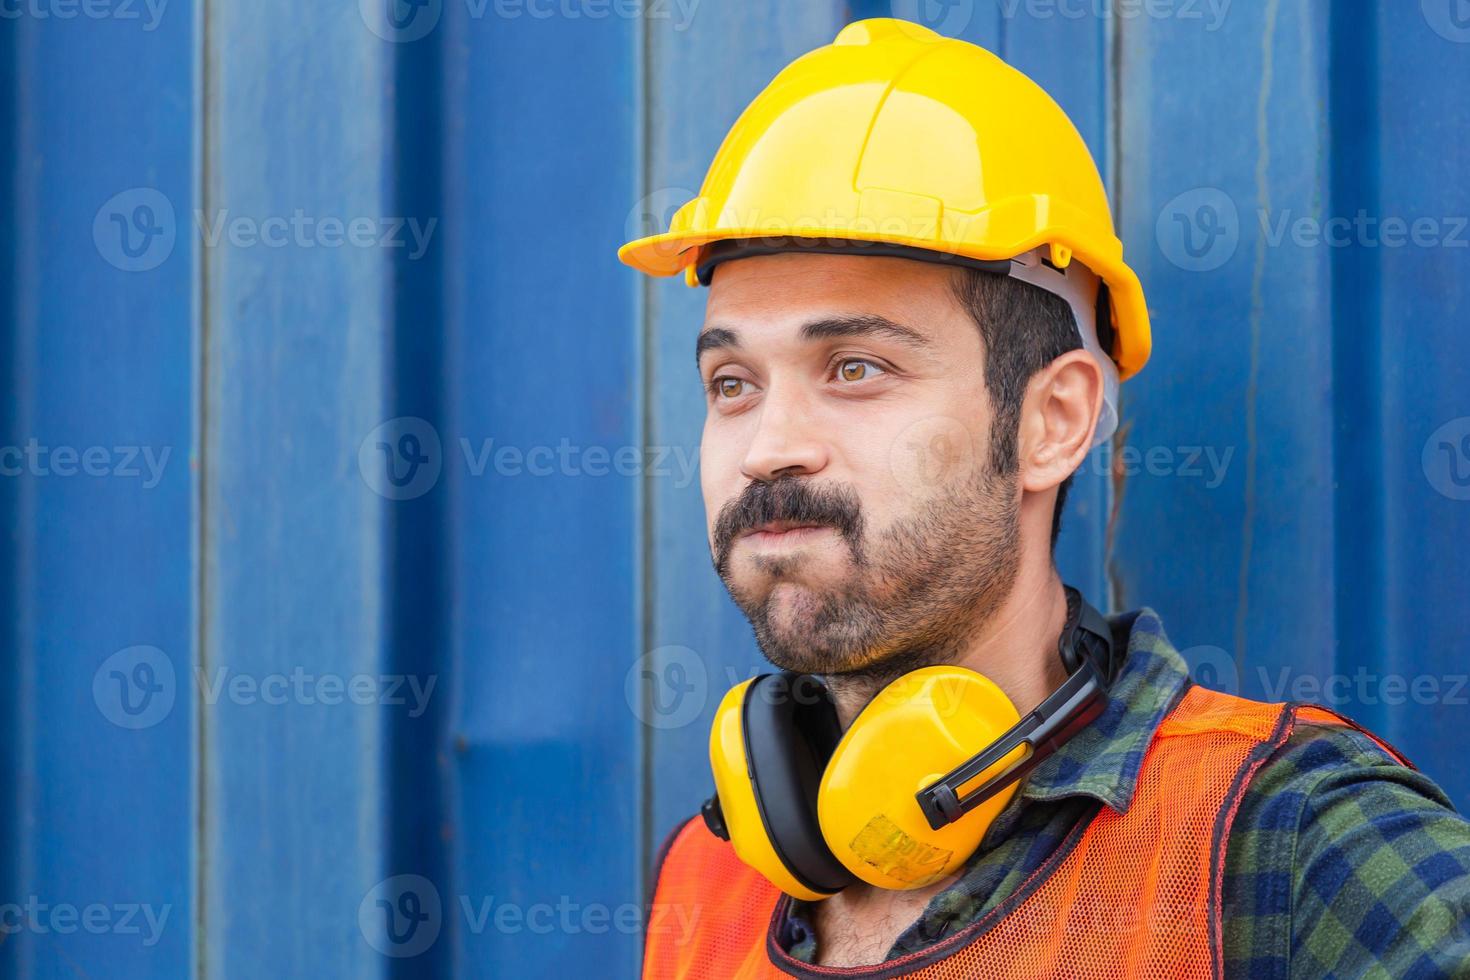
{"type": "Point", "coordinates": [787, 442]}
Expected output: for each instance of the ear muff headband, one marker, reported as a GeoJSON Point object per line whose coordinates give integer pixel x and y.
{"type": "Point", "coordinates": [1086, 647]}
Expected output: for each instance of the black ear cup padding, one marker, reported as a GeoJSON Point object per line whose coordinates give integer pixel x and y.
{"type": "Point", "coordinates": [791, 729]}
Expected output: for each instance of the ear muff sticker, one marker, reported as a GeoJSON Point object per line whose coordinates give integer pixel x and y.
{"type": "Point", "coordinates": [891, 852]}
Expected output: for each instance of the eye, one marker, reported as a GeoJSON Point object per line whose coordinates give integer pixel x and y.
{"type": "Point", "coordinates": [727, 387]}
{"type": "Point", "coordinates": [856, 369]}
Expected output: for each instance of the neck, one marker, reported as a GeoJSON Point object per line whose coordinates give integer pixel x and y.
{"type": "Point", "coordinates": [1016, 647]}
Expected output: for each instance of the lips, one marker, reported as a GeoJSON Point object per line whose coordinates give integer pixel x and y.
{"type": "Point", "coordinates": [788, 512]}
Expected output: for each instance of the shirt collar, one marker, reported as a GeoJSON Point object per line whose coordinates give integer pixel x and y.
{"type": "Point", "coordinates": [1102, 761]}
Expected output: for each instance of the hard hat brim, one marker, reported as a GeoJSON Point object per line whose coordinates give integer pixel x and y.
{"type": "Point", "coordinates": [673, 252]}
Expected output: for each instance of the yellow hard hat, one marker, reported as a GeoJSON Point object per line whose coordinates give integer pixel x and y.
{"type": "Point", "coordinates": [894, 134]}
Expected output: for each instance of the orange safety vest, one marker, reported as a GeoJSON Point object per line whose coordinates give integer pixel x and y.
{"type": "Point", "coordinates": [1133, 894]}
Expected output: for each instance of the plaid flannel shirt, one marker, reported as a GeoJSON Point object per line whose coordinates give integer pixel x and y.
{"type": "Point", "coordinates": [1340, 861]}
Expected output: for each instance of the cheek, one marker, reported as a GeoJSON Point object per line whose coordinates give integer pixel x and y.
{"type": "Point", "coordinates": [929, 454]}
{"type": "Point", "coordinates": [719, 472]}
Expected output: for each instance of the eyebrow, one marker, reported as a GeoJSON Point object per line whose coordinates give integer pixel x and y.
{"type": "Point", "coordinates": [714, 338]}
{"type": "Point", "coordinates": [864, 325]}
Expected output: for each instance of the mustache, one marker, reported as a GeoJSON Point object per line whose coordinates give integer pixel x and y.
{"type": "Point", "coordinates": [787, 498]}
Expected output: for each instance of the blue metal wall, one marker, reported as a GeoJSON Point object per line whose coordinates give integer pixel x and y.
{"type": "Point", "coordinates": [355, 598]}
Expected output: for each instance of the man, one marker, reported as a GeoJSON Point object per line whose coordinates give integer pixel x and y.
{"type": "Point", "coordinates": [917, 320]}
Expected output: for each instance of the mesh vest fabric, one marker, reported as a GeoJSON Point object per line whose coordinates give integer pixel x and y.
{"type": "Point", "coordinates": [1135, 894]}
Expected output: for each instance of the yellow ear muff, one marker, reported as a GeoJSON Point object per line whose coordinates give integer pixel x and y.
{"type": "Point", "coordinates": [731, 768]}
{"type": "Point", "coordinates": [917, 729]}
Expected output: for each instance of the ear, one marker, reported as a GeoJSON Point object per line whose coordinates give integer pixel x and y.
{"type": "Point", "coordinates": [1058, 417]}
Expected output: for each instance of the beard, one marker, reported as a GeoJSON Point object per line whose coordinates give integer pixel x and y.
{"type": "Point", "coordinates": [913, 595]}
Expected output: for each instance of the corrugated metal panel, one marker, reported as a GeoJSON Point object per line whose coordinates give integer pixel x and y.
{"type": "Point", "coordinates": [1242, 373]}
{"type": "Point", "coordinates": [543, 373]}
{"type": "Point", "coordinates": [297, 798]}
{"type": "Point", "coordinates": [97, 491]}
{"type": "Point", "coordinates": [470, 460]}
{"type": "Point", "coordinates": [1408, 539]}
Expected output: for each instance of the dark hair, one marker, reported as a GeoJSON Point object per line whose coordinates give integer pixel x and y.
{"type": "Point", "coordinates": [1024, 328]}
